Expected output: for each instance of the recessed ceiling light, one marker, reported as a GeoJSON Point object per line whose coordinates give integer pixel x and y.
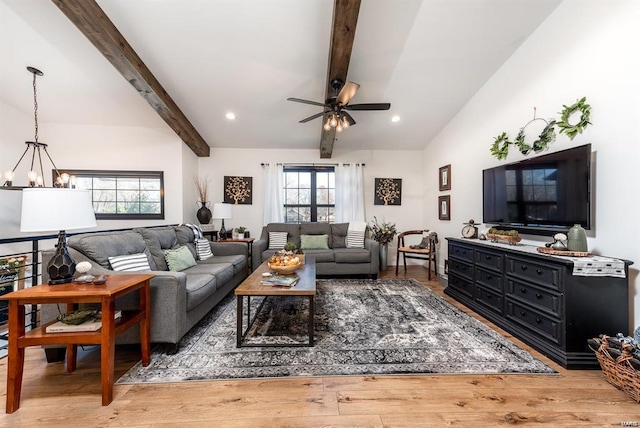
{"type": "Point", "coordinates": [230, 116]}
{"type": "Point", "coordinates": [395, 119]}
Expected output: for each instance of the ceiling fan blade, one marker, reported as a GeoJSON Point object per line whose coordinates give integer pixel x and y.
{"type": "Point", "coordinates": [299, 100]}
{"type": "Point", "coordinates": [349, 118]}
{"type": "Point", "coordinates": [315, 116]}
{"type": "Point", "coordinates": [369, 106]}
{"type": "Point", "coordinates": [346, 93]}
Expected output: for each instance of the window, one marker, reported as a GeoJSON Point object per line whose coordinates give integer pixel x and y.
{"type": "Point", "coordinates": [123, 194]}
{"type": "Point", "coordinates": [309, 194]}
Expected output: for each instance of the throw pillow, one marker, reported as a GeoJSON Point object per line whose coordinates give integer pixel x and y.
{"type": "Point", "coordinates": [203, 249]}
{"type": "Point", "coordinates": [355, 239]}
{"type": "Point", "coordinates": [179, 259]}
{"type": "Point", "coordinates": [130, 263]}
{"type": "Point", "coordinates": [277, 240]}
{"type": "Point", "coordinates": [314, 242]}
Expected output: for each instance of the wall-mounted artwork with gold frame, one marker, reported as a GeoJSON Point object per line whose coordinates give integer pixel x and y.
{"type": "Point", "coordinates": [444, 178]}
{"type": "Point", "coordinates": [238, 190]}
{"type": "Point", "coordinates": [444, 207]}
{"type": "Point", "coordinates": [387, 191]}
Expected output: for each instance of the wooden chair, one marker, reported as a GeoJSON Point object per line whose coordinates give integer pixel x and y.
{"type": "Point", "coordinates": [417, 252]}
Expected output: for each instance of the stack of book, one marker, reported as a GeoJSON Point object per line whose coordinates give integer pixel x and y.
{"type": "Point", "coordinates": [92, 324]}
{"type": "Point", "coordinates": [281, 280]}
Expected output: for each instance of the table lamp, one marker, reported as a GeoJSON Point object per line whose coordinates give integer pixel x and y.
{"type": "Point", "coordinates": [49, 209]}
{"type": "Point", "coordinates": [222, 211]}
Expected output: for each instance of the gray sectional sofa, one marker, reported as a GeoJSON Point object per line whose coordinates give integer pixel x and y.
{"type": "Point", "coordinates": [337, 260]}
{"type": "Point", "coordinates": [178, 299]}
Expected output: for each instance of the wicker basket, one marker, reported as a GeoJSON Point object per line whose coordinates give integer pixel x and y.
{"type": "Point", "coordinates": [618, 371]}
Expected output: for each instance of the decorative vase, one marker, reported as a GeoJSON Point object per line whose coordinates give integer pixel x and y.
{"type": "Point", "coordinates": [204, 213]}
{"type": "Point", "coordinates": [384, 251]}
{"type": "Point", "coordinates": [577, 239]}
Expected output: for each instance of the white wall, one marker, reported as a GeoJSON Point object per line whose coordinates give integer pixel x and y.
{"type": "Point", "coordinates": [585, 48]}
{"type": "Point", "coordinates": [407, 165]}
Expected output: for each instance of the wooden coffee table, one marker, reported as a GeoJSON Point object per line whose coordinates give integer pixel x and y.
{"type": "Point", "coordinates": [252, 287]}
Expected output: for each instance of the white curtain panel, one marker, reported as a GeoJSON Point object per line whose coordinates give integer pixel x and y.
{"type": "Point", "coordinates": [349, 193]}
{"type": "Point", "coordinates": [273, 189]}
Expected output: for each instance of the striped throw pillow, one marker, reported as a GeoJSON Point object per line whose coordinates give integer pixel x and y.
{"type": "Point", "coordinates": [277, 240]}
{"type": "Point", "coordinates": [203, 249]}
{"type": "Point", "coordinates": [355, 239]}
{"type": "Point", "coordinates": [130, 263]}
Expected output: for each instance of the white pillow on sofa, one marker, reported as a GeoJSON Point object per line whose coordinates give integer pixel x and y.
{"type": "Point", "coordinates": [354, 239]}
{"type": "Point", "coordinates": [203, 249]}
{"type": "Point", "coordinates": [130, 263]}
{"type": "Point", "coordinates": [277, 240]}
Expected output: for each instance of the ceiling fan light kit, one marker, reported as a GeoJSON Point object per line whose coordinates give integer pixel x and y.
{"type": "Point", "coordinates": [335, 107]}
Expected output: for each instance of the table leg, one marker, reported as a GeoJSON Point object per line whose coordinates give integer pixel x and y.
{"type": "Point", "coordinates": [239, 321]}
{"type": "Point", "coordinates": [312, 313]}
{"type": "Point", "coordinates": [107, 350]}
{"type": "Point", "coordinates": [72, 349]}
{"type": "Point", "coordinates": [15, 365]}
{"type": "Point", "coordinates": [145, 327]}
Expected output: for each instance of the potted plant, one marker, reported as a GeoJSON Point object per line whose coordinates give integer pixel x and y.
{"type": "Point", "coordinates": [292, 249]}
{"type": "Point", "coordinates": [10, 272]}
{"type": "Point", "coordinates": [241, 230]}
{"type": "Point", "coordinates": [383, 232]}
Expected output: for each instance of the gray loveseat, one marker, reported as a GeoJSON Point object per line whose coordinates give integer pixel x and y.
{"type": "Point", "coordinates": [337, 260]}
{"type": "Point", "coordinates": [178, 299]}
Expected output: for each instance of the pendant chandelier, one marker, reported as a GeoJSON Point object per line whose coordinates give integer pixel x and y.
{"type": "Point", "coordinates": [35, 174]}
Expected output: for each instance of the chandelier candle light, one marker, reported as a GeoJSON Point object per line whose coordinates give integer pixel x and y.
{"type": "Point", "coordinates": [36, 178]}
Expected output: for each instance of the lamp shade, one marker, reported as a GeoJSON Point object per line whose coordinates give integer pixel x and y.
{"type": "Point", "coordinates": [222, 211]}
{"type": "Point", "coordinates": [51, 209]}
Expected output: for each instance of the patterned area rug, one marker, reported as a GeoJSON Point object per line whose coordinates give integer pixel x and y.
{"type": "Point", "coordinates": [363, 327]}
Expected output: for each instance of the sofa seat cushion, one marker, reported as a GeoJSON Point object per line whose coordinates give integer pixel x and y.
{"type": "Point", "coordinates": [352, 255]}
{"type": "Point", "coordinates": [322, 256]}
{"type": "Point", "coordinates": [239, 262]}
{"type": "Point", "coordinates": [199, 287]}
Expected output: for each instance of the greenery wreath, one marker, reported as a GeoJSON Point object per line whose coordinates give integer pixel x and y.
{"type": "Point", "coordinates": [574, 129]}
{"type": "Point", "coordinates": [500, 147]}
{"type": "Point", "coordinates": [519, 141]}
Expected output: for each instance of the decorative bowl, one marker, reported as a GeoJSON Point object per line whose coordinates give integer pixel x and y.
{"type": "Point", "coordinates": [285, 270]}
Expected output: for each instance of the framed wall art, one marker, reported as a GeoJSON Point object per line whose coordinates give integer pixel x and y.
{"type": "Point", "coordinates": [444, 178]}
{"type": "Point", "coordinates": [387, 191]}
{"type": "Point", "coordinates": [238, 190]}
{"type": "Point", "coordinates": [444, 207]}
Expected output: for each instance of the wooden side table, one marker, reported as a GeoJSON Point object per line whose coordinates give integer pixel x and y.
{"type": "Point", "coordinates": [249, 242]}
{"type": "Point", "coordinates": [73, 294]}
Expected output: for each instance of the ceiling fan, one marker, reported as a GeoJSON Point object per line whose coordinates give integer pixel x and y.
{"type": "Point", "coordinates": [335, 107]}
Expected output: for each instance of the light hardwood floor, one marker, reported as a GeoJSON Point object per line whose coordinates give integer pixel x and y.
{"type": "Point", "coordinates": [51, 397]}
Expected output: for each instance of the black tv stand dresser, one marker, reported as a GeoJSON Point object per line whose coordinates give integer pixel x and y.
{"type": "Point", "coordinates": [537, 298]}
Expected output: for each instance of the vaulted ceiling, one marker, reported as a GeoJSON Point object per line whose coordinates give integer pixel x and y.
{"type": "Point", "coordinates": [426, 57]}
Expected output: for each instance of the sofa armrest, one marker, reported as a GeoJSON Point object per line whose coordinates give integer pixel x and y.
{"type": "Point", "coordinates": [374, 247]}
{"type": "Point", "coordinates": [259, 245]}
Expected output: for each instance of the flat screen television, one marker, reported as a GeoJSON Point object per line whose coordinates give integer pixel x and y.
{"type": "Point", "coordinates": [545, 193]}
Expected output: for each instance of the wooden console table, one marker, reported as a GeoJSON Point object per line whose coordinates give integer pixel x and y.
{"type": "Point", "coordinates": [73, 294]}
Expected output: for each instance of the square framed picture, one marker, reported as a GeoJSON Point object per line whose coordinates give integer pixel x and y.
{"type": "Point", "coordinates": [238, 190]}
{"type": "Point", "coordinates": [444, 207]}
{"type": "Point", "coordinates": [444, 178]}
{"type": "Point", "coordinates": [387, 191]}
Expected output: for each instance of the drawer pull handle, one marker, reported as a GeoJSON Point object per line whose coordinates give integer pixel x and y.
{"type": "Point", "coordinates": [523, 267]}
{"type": "Point", "coordinates": [487, 257]}
{"type": "Point", "coordinates": [539, 272]}
{"type": "Point", "coordinates": [538, 320]}
{"type": "Point", "coordinates": [489, 277]}
{"type": "Point", "coordinates": [488, 295]}
{"type": "Point", "coordinates": [538, 295]}
{"type": "Point", "coordinates": [523, 313]}
{"type": "Point", "coordinates": [523, 290]}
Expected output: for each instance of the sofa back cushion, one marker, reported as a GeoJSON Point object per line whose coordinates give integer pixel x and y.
{"type": "Point", "coordinates": [293, 231]}
{"type": "Point", "coordinates": [158, 239]}
{"type": "Point", "coordinates": [102, 245]}
{"type": "Point", "coordinates": [338, 235]}
{"type": "Point", "coordinates": [188, 238]}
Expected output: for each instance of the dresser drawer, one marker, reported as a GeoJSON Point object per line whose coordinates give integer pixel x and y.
{"type": "Point", "coordinates": [490, 299]}
{"type": "Point", "coordinates": [460, 252]}
{"type": "Point", "coordinates": [545, 326]}
{"type": "Point", "coordinates": [461, 268]}
{"type": "Point", "coordinates": [542, 274]}
{"type": "Point", "coordinates": [489, 279]}
{"type": "Point", "coordinates": [489, 259]}
{"type": "Point", "coordinates": [545, 300]}
{"type": "Point", "coordinates": [462, 285]}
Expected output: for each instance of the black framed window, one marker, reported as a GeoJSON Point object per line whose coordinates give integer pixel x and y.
{"type": "Point", "coordinates": [123, 194]}
{"type": "Point", "coordinates": [309, 194]}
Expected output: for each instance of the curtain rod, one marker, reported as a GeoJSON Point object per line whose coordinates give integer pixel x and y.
{"type": "Point", "coordinates": [312, 164]}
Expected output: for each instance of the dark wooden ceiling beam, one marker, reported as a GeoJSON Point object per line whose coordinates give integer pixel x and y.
{"type": "Point", "coordinates": [91, 20]}
{"type": "Point", "coordinates": [343, 31]}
